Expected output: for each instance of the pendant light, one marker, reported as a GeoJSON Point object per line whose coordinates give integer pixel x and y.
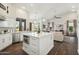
{"type": "Point", "coordinates": [7, 10]}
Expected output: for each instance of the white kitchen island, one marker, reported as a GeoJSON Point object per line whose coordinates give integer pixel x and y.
{"type": "Point", "coordinates": [37, 44]}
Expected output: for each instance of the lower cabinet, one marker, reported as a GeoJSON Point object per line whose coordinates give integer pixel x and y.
{"type": "Point", "coordinates": [38, 45]}
{"type": "Point", "coordinates": [5, 41]}
{"type": "Point", "coordinates": [31, 50]}
{"type": "Point", "coordinates": [16, 37]}
{"type": "Point", "coordinates": [1, 43]}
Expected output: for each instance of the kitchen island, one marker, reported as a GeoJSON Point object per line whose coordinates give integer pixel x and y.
{"type": "Point", "coordinates": [37, 44]}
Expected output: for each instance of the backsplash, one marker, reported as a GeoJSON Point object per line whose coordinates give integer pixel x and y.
{"type": "Point", "coordinates": [4, 24]}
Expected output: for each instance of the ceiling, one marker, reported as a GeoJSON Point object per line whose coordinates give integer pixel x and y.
{"type": "Point", "coordinates": [48, 10]}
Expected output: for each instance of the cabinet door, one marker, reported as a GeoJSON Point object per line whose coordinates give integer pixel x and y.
{"type": "Point", "coordinates": [34, 41]}
{"type": "Point", "coordinates": [10, 39]}
{"type": "Point", "coordinates": [5, 41]}
{"type": "Point", "coordinates": [16, 37]}
{"type": "Point", "coordinates": [1, 44]}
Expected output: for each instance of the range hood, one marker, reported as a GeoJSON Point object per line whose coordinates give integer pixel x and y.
{"type": "Point", "coordinates": [2, 12]}
{"type": "Point", "coordinates": [2, 6]}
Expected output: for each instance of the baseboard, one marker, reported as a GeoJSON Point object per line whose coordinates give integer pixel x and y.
{"type": "Point", "coordinates": [16, 42]}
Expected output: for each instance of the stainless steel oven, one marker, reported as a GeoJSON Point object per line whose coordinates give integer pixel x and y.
{"type": "Point", "coordinates": [26, 39]}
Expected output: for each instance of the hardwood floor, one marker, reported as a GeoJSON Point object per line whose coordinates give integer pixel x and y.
{"type": "Point", "coordinates": [67, 47]}
{"type": "Point", "coordinates": [14, 49]}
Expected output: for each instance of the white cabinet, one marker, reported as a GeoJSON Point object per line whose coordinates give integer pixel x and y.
{"type": "Point", "coordinates": [16, 37]}
{"type": "Point", "coordinates": [5, 40]}
{"type": "Point", "coordinates": [34, 45]}
{"type": "Point", "coordinates": [1, 42]}
{"type": "Point", "coordinates": [38, 45]}
{"type": "Point", "coordinates": [34, 41]}
{"type": "Point", "coordinates": [8, 39]}
{"type": "Point", "coordinates": [46, 44]}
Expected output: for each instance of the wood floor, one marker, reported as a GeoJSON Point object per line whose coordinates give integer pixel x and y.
{"type": "Point", "coordinates": [67, 47]}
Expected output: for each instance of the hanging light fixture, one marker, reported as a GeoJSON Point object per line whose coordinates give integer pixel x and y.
{"type": "Point", "coordinates": [7, 10]}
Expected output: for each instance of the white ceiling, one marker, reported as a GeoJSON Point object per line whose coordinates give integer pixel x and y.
{"type": "Point", "coordinates": [48, 10]}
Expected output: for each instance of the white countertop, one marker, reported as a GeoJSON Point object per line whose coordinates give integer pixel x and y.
{"type": "Point", "coordinates": [35, 34]}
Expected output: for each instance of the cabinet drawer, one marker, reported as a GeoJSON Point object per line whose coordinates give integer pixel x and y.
{"type": "Point", "coordinates": [26, 45]}
{"type": "Point", "coordinates": [34, 47]}
{"type": "Point", "coordinates": [32, 51]}
{"type": "Point", "coordinates": [27, 49]}
{"type": "Point", "coordinates": [34, 41]}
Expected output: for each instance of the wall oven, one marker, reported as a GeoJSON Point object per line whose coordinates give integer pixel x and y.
{"type": "Point", "coordinates": [26, 39]}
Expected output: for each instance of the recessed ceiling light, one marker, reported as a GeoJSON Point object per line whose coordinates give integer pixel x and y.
{"type": "Point", "coordinates": [44, 20]}
{"type": "Point", "coordinates": [31, 5]}
{"type": "Point", "coordinates": [73, 7]}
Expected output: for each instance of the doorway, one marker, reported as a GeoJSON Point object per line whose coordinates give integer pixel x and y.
{"type": "Point", "coordinates": [21, 24]}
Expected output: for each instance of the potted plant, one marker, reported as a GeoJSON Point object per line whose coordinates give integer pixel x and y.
{"type": "Point", "coordinates": [70, 28]}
